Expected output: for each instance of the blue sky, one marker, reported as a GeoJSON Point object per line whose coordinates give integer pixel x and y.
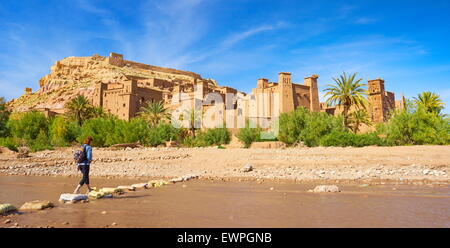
{"type": "Point", "coordinates": [235, 41]}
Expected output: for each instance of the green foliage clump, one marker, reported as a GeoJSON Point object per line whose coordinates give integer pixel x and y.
{"type": "Point", "coordinates": [42, 142]}
{"type": "Point", "coordinates": [216, 136]}
{"type": "Point", "coordinates": [302, 125]}
{"type": "Point", "coordinates": [416, 127]}
{"type": "Point", "coordinates": [162, 133]}
{"type": "Point", "coordinates": [4, 116]}
{"type": "Point", "coordinates": [102, 131]}
{"type": "Point", "coordinates": [344, 138]}
{"type": "Point", "coordinates": [10, 143]}
{"type": "Point", "coordinates": [248, 135]}
{"type": "Point", "coordinates": [28, 125]}
{"type": "Point", "coordinates": [63, 131]}
{"type": "Point", "coordinates": [213, 136]}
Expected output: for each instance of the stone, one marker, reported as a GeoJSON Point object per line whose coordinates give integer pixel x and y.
{"type": "Point", "coordinates": [36, 205]}
{"type": "Point", "coordinates": [127, 188]}
{"type": "Point", "coordinates": [7, 221]}
{"type": "Point", "coordinates": [23, 152]}
{"type": "Point", "coordinates": [326, 188]}
{"type": "Point", "coordinates": [247, 168]}
{"type": "Point", "coordinates": [108, 191]}
{"type": "Point", "coordinates": [140, 185]}
{"type": "Point", "coordinates": [7, 208]}
{"type": "Point", "coordinates": [72, 198]}
{"type": "Point", "coordinates": [97, 194]}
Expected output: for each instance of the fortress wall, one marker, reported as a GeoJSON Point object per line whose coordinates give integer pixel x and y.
{"type": "Point", "coordinates": [161, 69]}
{"type": "Point", "coordinates": [301, 96]}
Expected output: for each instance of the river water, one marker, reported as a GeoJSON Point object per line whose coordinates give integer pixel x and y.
{"type": "Point", "coordinates": [230, 204]}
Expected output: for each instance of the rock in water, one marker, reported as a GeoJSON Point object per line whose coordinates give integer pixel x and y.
{"type": "Point", "coordinates": [72, 197]}
{"type": "Point", "coordinates": [326, 188]}
{"type": "Point", "coordinates": [247, 168]}
{"type": "Point", "coordinates": [111, 190]}
{"type": "Point", "coordinates": [127, 188]}
{"type": "Point", "coordinates": [97, 195]}
{"type": "Point", "coordinates": [36, 205]}
{"type": "Point", "coordinates": [7, 208]}
{"type": "Point", "coordinates": [140, 185]}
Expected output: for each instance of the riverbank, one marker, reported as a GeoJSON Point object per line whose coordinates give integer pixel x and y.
{"type": "Point", "coordinates": [401, 163]}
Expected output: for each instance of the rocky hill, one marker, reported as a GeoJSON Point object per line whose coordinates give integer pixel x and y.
{"type": "Point", "coordinates": [73, 76]}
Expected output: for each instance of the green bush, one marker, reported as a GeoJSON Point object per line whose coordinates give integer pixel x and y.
{"type": "Point", "coordinates": [416, 127]}
{"type": "Point", "coordinates": [10, 143]}
{"type": "Point", "coordinates": [28, 125]}
{"type": "Point", "coordinates": [4, 116]}
{"type": "Point", "coordinates": [248, 135]}
{"type": "Point", "coordinates": [42, 142]}
{"type": "Point", "coordinates": [213, 136]}
{"type": "Point", "coordinates": [136, 130]}
{"type": "Point", "coordinates": [302, 125]}
{"type": "Point", "coordinates": [344, 138]}
{"type": "Point", "coordinates": [162, 133]}
{"type": "Point", "coordinates": [62, 131]}
{"type": "Point", "coordinates": [216, 136]}
{"type": "Point", "coordinates": [102, 131]}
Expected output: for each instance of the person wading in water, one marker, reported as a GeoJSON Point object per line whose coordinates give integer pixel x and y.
{"type": "Point", "coordinates": [84, 164]}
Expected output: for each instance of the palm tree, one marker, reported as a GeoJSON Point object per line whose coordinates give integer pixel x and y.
{"type": "Point", "coordinates": [154, 113]}
{"type": "Point", "coordinates": [79, 108]}
{"type": "Point", "coordinates": [430, 101]}
{"type": "Point", "coordinates": [97, 112]}
{"type": "Point", "coordinates": [194, 116]}
{"type": "Point", "coordinates": [357, 118]}
{"type": "Point", "coordinates": [347, 92]}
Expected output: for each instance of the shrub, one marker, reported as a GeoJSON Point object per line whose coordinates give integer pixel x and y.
{"type": "Point", "coordinates": [213, 136]}
{"type": "Point", "coordinates": [249, 135]}
{"type": "Point", "coordinates": [4, 116]}
{"type": "Point", "coordinates": [62, 131]}
{"type": "Point", "coordinates": [100, 129]}
{"type": "Point", "coordinates": [133, 131]}
{"type": "Point", "coordinates": [11, 143]}
{"type": "Point", "coordinates": [42, 142]}
{"type": "Point", "coordinates": [216, 136]}
{"type": "Point", "coordinates": [162, 133]}
{"type": "Point", "coordinates": [308, 127]}
{"type": "Point", "coordinates": [344, 138]}
{"type": "Point", "coordinates": [416, 127]}
{"type": "Point", "coordinates": [28, 125]}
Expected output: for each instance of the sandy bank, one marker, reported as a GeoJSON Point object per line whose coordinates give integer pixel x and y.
{"type": "Point", "coordinates": [408, 163]}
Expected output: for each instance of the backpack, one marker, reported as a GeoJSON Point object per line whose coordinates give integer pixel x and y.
{"type": "Point", "coordinates": [80, 155]}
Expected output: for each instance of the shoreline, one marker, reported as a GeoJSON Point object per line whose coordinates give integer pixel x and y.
{"type": "Point", "coordinates": [400, 164]}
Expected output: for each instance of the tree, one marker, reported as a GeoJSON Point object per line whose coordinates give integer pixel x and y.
{"type": "Point", "coordinates": [4, 116]}
{"type": "Point", "coordinates": [429, 101]}
{"type": "Point", "coordinates": [154, 113]}
{"type": "Point", "coordinates": [347, 92]}
{"type": "Point", "coordinates": [357, 118]}
{"type": "Point", "coordinates": [80, 109]}
{"type": "Point", "coordinates": [195, 118]}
